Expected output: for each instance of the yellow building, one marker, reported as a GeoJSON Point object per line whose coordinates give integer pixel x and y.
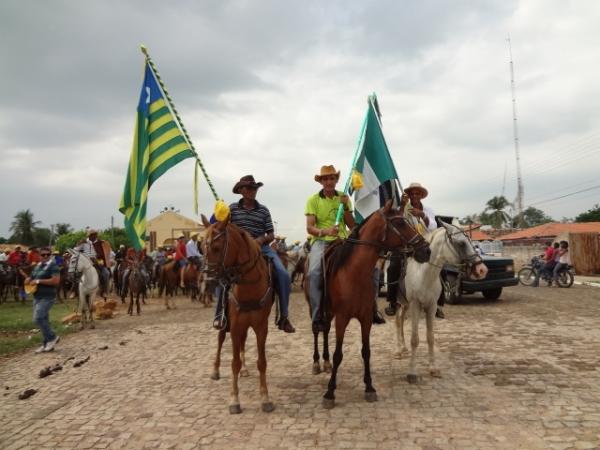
{"type": "Point", "coordinates": [165, 228]}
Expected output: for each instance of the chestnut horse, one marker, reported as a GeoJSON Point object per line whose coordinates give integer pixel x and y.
{"type": "Point", "coordinates": [351, 289]}
{"type": "Point", "coordinates": [235, 259]}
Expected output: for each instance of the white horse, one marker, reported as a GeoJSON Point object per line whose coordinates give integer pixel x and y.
{"type": "Point", "coordinates": [448, 244]}
{"type": "Point", "coordinates": [88, 285]}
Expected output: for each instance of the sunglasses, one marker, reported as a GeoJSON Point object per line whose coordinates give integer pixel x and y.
{"type": "Point", "coordinates": [328, 178]}
{"type": "Point", "coordinates": [44, 254]}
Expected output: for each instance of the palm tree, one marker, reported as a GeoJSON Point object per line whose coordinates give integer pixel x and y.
{"type": "Point", "coordinates": [23, 227]}
{"type": "Point", "coordinates": [497, 214]}
{"type": "Point", "coordinates": [62, 228]}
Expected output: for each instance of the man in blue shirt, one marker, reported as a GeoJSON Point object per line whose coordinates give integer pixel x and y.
{"type": "Point", "coordinates": [255, 219]}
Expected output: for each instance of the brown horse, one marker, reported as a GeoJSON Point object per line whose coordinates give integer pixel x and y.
{"type": "Point", "coordinates": [136, 286]}
{"type": "Point", "coordinates": [169, 278]}
{"type": "Point", "coordinates": [191, 279]}
{"type": "Point", "coordinates": [351, 288]}
{"type": "Point", "coordinates": [235, 259]}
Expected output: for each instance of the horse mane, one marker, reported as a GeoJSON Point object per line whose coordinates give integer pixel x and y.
{"type": "Point", "coordinates": [341, 253]}
{"type": "Point", "coordinates": [251, 243]}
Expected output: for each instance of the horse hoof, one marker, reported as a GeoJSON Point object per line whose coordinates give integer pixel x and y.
{"type": "Point", "coordinates": [328, 403]}
{"type": "Point", "coordinates": [244, 373]}
{"type": "Point", "coordinates": [412, 378]}
{"type": "Point", "coordinates": [235, 409]}
{"type": "Point", "coordinates": [316, 369]}
{"type": "Point", "coordinates": [436, 373]}
{"type": "Point", "coordinates": [371, 397]}
{"type": "Point", "coordinates": [268, 407]}
{"type": "Point", "coordinates": [327, 367]}
{"type": "Point", "coordinates": [215, 376]}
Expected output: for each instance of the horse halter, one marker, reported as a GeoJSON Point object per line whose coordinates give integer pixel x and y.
{"type": "Point", "coordinates": [232, 274]}
{"type": "Point", "coordinates": [470, 261]}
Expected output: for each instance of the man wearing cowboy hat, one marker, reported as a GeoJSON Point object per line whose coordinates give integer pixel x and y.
{"type": "Point", "coordinates": [423, 219]}
{"type": "Point", "coordinates": [255, 219]}
{"type": "Point", "coordinates": [321, 211]}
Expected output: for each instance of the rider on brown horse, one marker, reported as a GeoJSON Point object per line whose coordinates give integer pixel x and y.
{"type": "Point", "coordinates": [255, 219]}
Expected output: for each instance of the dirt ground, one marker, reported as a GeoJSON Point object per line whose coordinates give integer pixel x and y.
{"type": "Point", "coordinates": [520, 372]}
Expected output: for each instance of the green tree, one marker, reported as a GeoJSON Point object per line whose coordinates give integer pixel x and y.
{"type": "Point", "coordinates": [496, 216]}
{"type": "Point", "coordinates": [531, 217]}
{"type": "Point", "coordinates": [120, 234]}
{"type": "Point", "coordinates": [62, 228]}
{"type": "Point", "coordinates": [69, 240]}
{"type": "Point", "coordinates": [41, 236]}
{"type": "Point", "coordinates": [591, 215]}
{"type": "Point", "coordinates": [470, 219]}
{"type": "Point", "coordinates": [23, 228]}
{"type": "Point", "coordinates": [3, 240]}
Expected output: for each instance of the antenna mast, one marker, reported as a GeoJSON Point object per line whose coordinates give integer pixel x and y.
{"type": "Point", "coordinates": [519, 200]}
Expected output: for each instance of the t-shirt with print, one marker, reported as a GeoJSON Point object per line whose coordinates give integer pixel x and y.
{"type": "Point", "coordinates": [45, 272]}
{"type": "Point", "coordinates": [325, 211]}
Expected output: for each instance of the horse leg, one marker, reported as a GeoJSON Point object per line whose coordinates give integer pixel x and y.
{"type": "Point", "coordinates": [400, 320]}
{"type": "Point", "coordinates": [236, 365]}
{"type": "Point", "coordinates": [316, 369]}
{"type": "Point", "coordinates": [365, 329]}
{"type": "Point", "coordinates": [91, 310]}
{"type": "Point", "coordinates": [433, 370]}
{"type": "Point", "coordinates": [130, 308]}
{"type": "Point", "coordinates": [415, 311]}
{"type": "Point", "coordinates": [326, 363]}
{"type": "Point", "coordinates": [221, 338]}
{"type": "Point", "coordinates": [244, 369]}
{"type": "Point", "coordinates": [340, 328]}
{"type": "Point", "coordinates": [137, 302]}
{"type": "Point", "coordinates": [81, 308]}
{"type": "Point", "coordinates": [261, 364]}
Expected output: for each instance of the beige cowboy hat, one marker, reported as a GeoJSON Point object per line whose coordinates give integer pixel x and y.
{"type": "Point", "coordinates": [91, 231]}
{"type": "Point", "coordinates": [326, 171]}
{"type": "Point", "coordinates": [416, 187]}
{"type": "Point", "coordinates": [246, 181]}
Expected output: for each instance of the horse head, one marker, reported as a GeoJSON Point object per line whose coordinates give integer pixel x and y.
{"type": "Point", "coordinates": [462, 252]}
{"type": "Point", "coordinates": [227, 249]}
{"type": "Point", "coordinates": [394, 231]}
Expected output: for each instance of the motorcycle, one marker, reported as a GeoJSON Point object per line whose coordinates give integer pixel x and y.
{"type": "Point", "coordinates": [528, 274]}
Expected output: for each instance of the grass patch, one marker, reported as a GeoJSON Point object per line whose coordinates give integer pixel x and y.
{"type": "Point", "coordinates": [17, 327]}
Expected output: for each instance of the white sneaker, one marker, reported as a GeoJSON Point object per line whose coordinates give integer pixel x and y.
{"type": "Point", "coordinates": [50, 344]}
{"type": "Point", "coordinates": [41, 349]}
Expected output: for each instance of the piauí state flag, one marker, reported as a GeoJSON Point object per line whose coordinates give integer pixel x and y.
{"type": "Point", "coordinates": [158, 145]}
{"type": "Point", "coordinates": [374, 163]}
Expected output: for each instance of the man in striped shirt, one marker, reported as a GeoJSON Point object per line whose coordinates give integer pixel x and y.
{"type": "Point", "coordinates": [255, 219]}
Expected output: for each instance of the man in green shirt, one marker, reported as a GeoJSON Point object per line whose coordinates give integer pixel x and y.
{"type": "Point", "coordinates": [321, 210]}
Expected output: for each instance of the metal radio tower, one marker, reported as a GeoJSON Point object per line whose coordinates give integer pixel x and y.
{"type": "Point", "coordinates": [519, 200]}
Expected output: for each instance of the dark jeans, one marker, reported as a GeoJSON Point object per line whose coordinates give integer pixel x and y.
{"type": "Point", "coordinates": [395, 277]}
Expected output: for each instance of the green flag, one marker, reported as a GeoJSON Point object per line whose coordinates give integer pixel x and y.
{"type": "Point", "coordinates": [376, 166]}
{"type": "Point", "coordinates": [158, 145]}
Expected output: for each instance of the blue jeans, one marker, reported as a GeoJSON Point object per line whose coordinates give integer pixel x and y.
{"type": "Point", "coordinates": [41, 317]}
{"type": "Point", "coordinates": [314, 275]}
{"type": "Point", "coordinates": [282, 279]}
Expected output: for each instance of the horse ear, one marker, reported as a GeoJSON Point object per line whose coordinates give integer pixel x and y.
{"type": "Point", "coordinates": [205, 221]}
{"type": "Point", "coordinates": [387, 207]}
{"type": "Point", "coordinates": [447, 226]}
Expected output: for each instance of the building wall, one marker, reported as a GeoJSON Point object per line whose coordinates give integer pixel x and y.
{"type": "Point", "coordinates": [169, 225]}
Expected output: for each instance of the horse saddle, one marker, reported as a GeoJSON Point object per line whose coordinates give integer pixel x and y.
{"type": "Point", "coordinates": [328, 267]}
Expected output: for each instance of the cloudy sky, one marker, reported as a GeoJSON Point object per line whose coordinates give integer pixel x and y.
{"type": "Point", "coordinates": [278, 88]}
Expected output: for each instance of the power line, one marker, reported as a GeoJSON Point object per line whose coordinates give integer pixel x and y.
{"type": "Point", "coordinates": [566, 149]}
{"type": "Point", "coordinates": [566, 195]}
{"type": "Point", "coordinates": [563, 189]}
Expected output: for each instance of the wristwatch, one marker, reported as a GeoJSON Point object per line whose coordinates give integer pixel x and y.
{"type": "Point", "coordinates": [37, 282]}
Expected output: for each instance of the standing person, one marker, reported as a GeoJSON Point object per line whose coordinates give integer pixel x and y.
{"type": "Point", "coordinates": [563, 261]}
{"type": "Point", "coordinates": [180, 258]}
{"type": "Point", "coordinates": [255, 219]}
{"type": "Point", "coordinates": [321, 211]}
{"type": "Point", "coordinates": [423, 219]}
{"type": "Point", "coordinates": [33, 256]}
{"type": "Point", "coordinates": [46, 276]}
{"type": "Point", "coordinates": [4, 256]}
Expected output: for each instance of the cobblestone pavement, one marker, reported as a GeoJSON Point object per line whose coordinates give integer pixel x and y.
{"type": "Point", "coordinates": [521, 372]}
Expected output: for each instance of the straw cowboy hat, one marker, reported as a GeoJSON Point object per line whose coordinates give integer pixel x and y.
{"type": "Point", "coordinates": [246, 181]}
{"type": "Point", "coordinates": [326, 171]}
{"type": "Point", "coordinates": [92, 231]}
{"type": "Point", "coordinates": [417, 187]}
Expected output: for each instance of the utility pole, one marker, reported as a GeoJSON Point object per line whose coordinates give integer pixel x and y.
{"type": "Point", "coordinates": [520, 193]}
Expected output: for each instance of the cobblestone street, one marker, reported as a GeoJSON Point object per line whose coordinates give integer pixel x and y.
{"type": "Point", "coordinates": [521, 372]}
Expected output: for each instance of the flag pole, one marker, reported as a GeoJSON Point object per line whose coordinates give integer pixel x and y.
{"type": "Point", "coordinates": [361, 136]}
{"type": "Point", "coordinates": [178, 119]}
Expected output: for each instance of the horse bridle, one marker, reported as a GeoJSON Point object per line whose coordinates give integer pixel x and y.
{"type": "Point", "coordinates": [415, 243]}
{"type": "Point", "coordinates": [232, 274]}
{"type": "Point", "coordinates": [467, 261]}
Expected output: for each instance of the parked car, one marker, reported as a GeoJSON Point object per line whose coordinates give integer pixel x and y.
{"type": "Point", "coordinates": [501, 274]}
